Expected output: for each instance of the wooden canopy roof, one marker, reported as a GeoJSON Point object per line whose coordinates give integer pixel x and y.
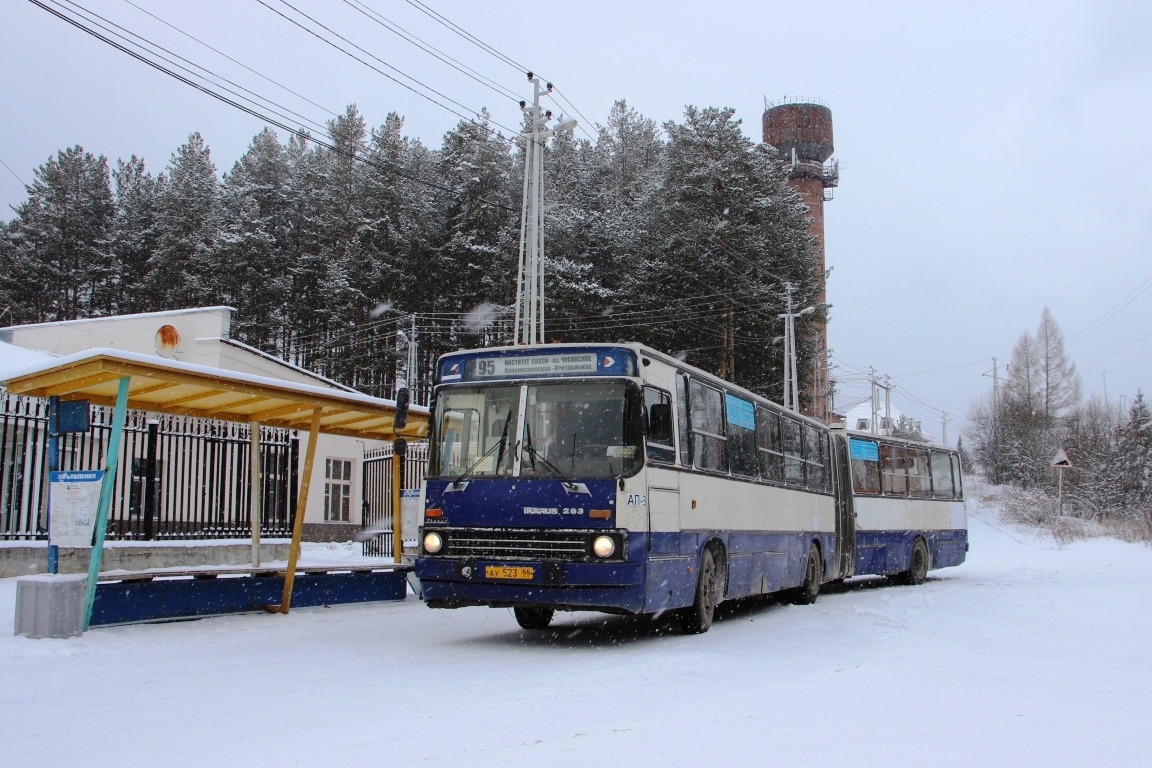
{"type": "Point", "coordinates": [161, 385]}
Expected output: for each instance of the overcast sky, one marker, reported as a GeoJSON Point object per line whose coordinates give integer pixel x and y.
{"type": "Point", "coordinates": [991, 151]}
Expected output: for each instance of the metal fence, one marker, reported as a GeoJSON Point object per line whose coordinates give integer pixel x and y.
{"type": "Point", "coordinates": [178, 477]}
{"type": "Point", "coordinates": [376, 495]}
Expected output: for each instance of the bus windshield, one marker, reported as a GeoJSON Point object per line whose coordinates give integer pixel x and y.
{"type": "Point", "coordinates": [582, 430]}
{"type": "Point", "coordinates": [575, 430]}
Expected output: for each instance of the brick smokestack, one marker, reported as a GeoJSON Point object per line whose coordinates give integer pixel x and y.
{"type": "Point", "coordinates": [801, 130]}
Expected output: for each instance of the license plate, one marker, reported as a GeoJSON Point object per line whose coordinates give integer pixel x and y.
{"type": "Point", "coordinates": [522, 572]}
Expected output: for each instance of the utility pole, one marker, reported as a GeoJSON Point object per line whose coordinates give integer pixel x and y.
{"type": "Point", "coordinates": [530, 282]}
{"type": "Point", "coordinates": [944, 428]}
{"type": "Point", "coordinates": [413, 365]}
{"type": "Point", "coordinates": [791, 389]}
{"type": "Point", "coordinates": [875, 404]}
{"type": "Point", "coordinates": [887, 385]}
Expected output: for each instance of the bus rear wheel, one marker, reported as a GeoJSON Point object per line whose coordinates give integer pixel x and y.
{"type": "Point", "coordinates": [807, 592]}
{"type": "Point", "coordinates": [698, 618]}
{"type": "Point", "coordinates": [534, 618]}
{"type": "Point", "coordinates": [917, 567]}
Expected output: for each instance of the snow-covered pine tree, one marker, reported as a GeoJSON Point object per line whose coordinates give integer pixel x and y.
{"type": "Point", "coordinates": [628, 160]}
{"type": "Point", "coordinates": [1135, 455]}
{"type": "Point", "coordinates": [733, 232]}
{"type": "Point", "coordinates": [188, 219]}
{"type": "Point", "coordinates": [134, 235]}
{"type": "Point", "coordinates": [57, 263]}
{"type": "Point", "coordinates": [249, 260]}
{"type": "Point", "coordinates": [477, 260]}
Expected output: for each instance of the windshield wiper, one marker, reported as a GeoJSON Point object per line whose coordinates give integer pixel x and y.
{"type": "Point", "coordinates": [569, 486]}
{"type": "Point", "coordinates": [501, 445]}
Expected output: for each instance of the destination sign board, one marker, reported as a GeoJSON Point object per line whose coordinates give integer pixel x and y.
{"type": "Point", "coordinates": [536, 365]}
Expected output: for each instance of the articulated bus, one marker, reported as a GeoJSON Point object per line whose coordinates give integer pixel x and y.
{"type": "Point", "coordinates": [615, 478]}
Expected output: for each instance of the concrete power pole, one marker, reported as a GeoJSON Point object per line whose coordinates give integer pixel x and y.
{"type": "Point", "coordinates": [888, 401]}
{"type": "Point", "coordinates": [875, 404]}
{"type": "Point", "coordinates": [944, 428]}
{"type": "Point", "coordinates": [530, 282]}
{"type": "Point", "coordinates": [791, 389]}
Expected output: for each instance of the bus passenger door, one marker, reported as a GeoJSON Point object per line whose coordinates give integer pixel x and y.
{"type": "Point", "coordinates": [845, 513]}
{"type": "Point", "coordinates": [663, 511]}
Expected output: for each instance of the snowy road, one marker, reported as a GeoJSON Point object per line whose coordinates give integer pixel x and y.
{"type": "Point", "coordinates": [1026, 655]}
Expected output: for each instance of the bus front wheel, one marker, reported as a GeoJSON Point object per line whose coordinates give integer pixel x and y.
{"type": "Point", "coordinates": [534, 618]}
{"type": "Point", "coordinates": [698, 618]}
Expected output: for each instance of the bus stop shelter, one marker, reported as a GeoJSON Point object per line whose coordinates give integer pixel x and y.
{"type": "Point", "coordinates": [126, 380]}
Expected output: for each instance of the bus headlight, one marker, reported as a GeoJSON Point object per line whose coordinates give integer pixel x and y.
{"type": "Point", "coordinates": [603, 546]}
{"type": "Point", "coordinates": [433, 542]}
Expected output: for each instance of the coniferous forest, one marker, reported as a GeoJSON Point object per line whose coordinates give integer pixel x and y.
{"type": "Point", "coordinates": [679, 236]}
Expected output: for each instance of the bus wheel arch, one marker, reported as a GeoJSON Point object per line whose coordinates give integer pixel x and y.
{"type": "Point", "coordinates": [919, 563]}
{"type": "Point", "coordinates": [720, 559]}
{"type": "Point", "coordinates": [809, 589]}
{"type": "Point", "coordinates": [697, 618]}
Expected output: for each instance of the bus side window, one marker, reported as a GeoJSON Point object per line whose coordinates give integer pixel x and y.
{"type": "Point", "coordinates": [826, 453]}
{"type": "Point", "coordinates": [919, 478]}
{"type": "Point", "coordinates": [768, 441]}
{"type": "Point", "coordinates": [706, 419]}
{"type": "Point", "coordinates": [893, 470]}
{"type": "Point", "coordinates": [865, 466]}
{"type": "Point", "coordinates": [658, 406]}
{"type": "Point", "coordinates": [813, 460]}
{"type": "Point", "coordinates": [942, 475]}
{"type": "Point", "coordinates": [957, 478]}
{"type": "Point", "coordinates": [682, 419]}
{"type": "Point", "coordinates": [793, 453]}
{"type": "Point", "coordinates": [741, 423]}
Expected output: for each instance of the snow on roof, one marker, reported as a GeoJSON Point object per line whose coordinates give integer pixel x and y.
{"type": "Point", "coordinates": [175, 365]}
{"type": "Point", "coordinates": [14, 358]}
{"type": "Point", "coordinates": [109, 318]}
{"type": "Point", "coordinates": [277, 361]}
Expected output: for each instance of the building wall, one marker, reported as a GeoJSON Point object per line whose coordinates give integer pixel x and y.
{"type": "Point", "coordinates": [130, 333]}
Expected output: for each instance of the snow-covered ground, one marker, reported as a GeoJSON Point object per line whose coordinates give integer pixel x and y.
{"type": "Point", "coordinates": [1027, 655]}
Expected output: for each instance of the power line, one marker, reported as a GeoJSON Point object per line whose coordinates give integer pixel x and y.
{"type": "Point", "coordinates": [1123, 349]}
{"type": "Point", "coordinates": [234, 61]}
{"type": "Point", "coordinates": [476, 41]}
{"type": "Point", "coordinates": [443, 20]}
{"type": "Point", "coordinates": [82, 10]}
{"type": "Point", "coordinates": [255, 112]}
{"type": "Point", "coordinates": [12, 172]}
{"type": "Point", "coordinates": [432, 50]}
{"type": "Point", "coordinates": [381, 61]}
{"type": "Point", "coordinates": [1111, 313]}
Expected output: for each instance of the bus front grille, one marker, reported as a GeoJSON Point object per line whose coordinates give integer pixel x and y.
{"type": "Point", "coordinates": [504, 544]}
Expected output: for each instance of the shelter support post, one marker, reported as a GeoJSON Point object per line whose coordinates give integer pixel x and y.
{"type": "Point", "coordinates": [399, 448]}
{"type": "Point", "coordinates": [256, 493]}
{"type": "Point", "coordinates": [301, 506]}
{"type": "Point", "coordinates": [107, 485]}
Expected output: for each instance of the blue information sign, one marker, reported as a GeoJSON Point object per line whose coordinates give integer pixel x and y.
{"type": "Point", "coordinates": [864, 450]}
{"type": "Point", "coordinates": [740, 412]}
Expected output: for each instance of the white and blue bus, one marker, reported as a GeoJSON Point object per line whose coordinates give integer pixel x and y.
{"type": "Point", "coordinates": [615, 478]}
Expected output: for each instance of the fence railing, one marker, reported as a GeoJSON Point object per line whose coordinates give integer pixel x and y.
{"type": "Point", "coordinates": [178, 477]}
{"type": "Point", "coordinates": [376, 495]}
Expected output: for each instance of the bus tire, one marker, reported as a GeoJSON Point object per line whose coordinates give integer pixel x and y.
{"type": "Point", "coordinates": [807, 592]}
{"type": "Point", "coordinates": [917, 566]}
{"type": "Point", "coordinates": [698, 618]}
{"type": "Point", "coordinates": [534, 618]}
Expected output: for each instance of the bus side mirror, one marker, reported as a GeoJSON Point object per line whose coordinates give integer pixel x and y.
{"type": "Point", "coordinates": [401, 418]}
{"type": "Point", "coordinates": [660, 422]}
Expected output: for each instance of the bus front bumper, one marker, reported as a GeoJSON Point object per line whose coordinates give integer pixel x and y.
{"type": "Point", "coordinates": [458, 582]}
